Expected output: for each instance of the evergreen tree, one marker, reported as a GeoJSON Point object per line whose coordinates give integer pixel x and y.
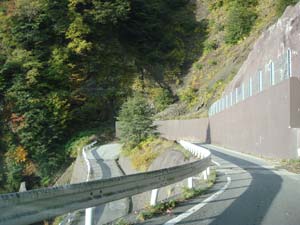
{"type": "Point", "coordinates": [135, 121]}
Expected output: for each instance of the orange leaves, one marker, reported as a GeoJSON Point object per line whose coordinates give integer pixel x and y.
{"type": "Point", "coordinates": [16, 121]}
{"type": "Point", "coordinates": [20, 154]}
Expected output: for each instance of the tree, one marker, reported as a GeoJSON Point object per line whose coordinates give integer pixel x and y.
{"type": "Point", "coordinates": [241, 17]}
{"type": "Point", "coordinates": [135, 121]}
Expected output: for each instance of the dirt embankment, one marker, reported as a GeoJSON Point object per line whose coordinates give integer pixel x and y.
{"type": "Point", "coordinates": [167, 159]}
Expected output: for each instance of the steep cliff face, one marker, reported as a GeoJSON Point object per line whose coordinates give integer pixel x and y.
{"type": "Point", "coordinates": [278, 46]}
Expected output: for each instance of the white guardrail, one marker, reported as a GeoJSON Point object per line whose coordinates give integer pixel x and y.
{"type": "Point", "coordinates": [41, 204]}
{"type": "Point", "coordinates": [88, 212]}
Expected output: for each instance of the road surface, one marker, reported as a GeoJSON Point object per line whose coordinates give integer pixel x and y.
{"type": "Point", "coordinates": [248, 191]}
{"type": "Point", "coordinates": [103, 164]}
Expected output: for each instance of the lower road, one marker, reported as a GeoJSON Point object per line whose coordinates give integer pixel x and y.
{"type": "Point", "coordinates": [103, 164]}
{"type": "Point", "coordinates": [248, 191]}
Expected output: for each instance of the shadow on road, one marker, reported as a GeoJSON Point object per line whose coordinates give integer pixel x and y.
{"type": "Point", "coordinates": [106, 173]}
{"type": "Point", "coordinates": [252, 206]}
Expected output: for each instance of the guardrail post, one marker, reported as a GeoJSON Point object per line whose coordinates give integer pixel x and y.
{"type": "Point", "coordinates": [154, 194]}
{"type": "Point", "coordinates": [89, 216]}
{"type": "Point", "coordinates": [190, 182]}
{"type": "Point", "coordinates": [205, 177]}
{"type": "Point", "coordinates": [23, 187]}
{"type": "Point", "coordinates": [208, 171]}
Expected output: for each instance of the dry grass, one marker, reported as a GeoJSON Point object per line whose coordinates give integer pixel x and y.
{"type": "Point", "coordinates": [220, 62]}
{"type": "Point", "coordinates": [167, 206]}
{"type": "Point", "coordinates": [292, 165]}
{"type": "Point", "coordinates": [147, 151]}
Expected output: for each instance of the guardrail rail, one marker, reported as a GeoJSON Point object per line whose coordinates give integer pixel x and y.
{"type": "Point", "coordinates": [41, 204]}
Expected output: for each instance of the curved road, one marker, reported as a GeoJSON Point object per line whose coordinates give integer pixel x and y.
{"type": "Point", "coordinates": [256, 193]}
{"type": "Point", "coordinates": [103, 163]}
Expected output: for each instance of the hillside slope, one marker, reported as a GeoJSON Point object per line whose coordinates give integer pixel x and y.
{"type": "Point", "coordinates": [222, 55]}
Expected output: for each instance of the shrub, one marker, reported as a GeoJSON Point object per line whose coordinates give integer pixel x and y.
{"type": "Point", "coordinates": [189, 96]}
{"type": "Point", "coordinates": [162, 98]}
{"type": "Point", "coordinates": [210, 46]}
{"type": "Point", "coordinates": [239, 22]}
{"type": "Point", "coordinates": [135, 121]}
{"type": "Point", "coordinates": [282, 4]}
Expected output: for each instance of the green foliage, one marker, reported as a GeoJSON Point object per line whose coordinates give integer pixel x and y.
{"type": "Point", "coordinates": [168, 206]}
{"type": "Point", "coordinates": [122, 222]}
{"type": "Point", "coordinates": [156, 210]}
{"type": "Point", "coordinates": [292, 165]}
{"type": "Point", "coordinates": [147, 151]}
{"type": "Point", "coordinates": [68, 66]}
{"type": "Point", "coordinates": [135, 121]}
{"type": "Point", "coordinates": [162, 99]}
{"type": "Point", "coordinates": [282, 4]}
{"type": "Point", "coordinates": [188, 193]}
{"type": "Point", "coordinates": [210, 46]}
{"type": "Point", "coordinates": [103, 133]}
{"type": "Point", "coordinates": [241, 17]}
{"type": "Point", "coordinates": [189, 96]}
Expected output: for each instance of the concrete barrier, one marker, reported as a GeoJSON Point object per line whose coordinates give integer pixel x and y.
{"type": "Point", "coordinates": [40, 204]}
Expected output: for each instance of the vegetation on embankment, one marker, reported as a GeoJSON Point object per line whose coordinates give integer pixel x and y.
{"type": "Point", "coordinates": [67, 66]}
{"type": "Point", "coordinates": [292, 165]}
{"type": "Point", "coordinates": [167, 207]}
{"type": "Point", "coordinates": [232, 27]}
{"type": "Point", "coordinates": [143, 155]}
{"type": "Point", "coordinates": [140, 141]}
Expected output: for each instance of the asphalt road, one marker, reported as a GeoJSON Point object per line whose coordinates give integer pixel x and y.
{"type": "Point", "coordinates": [256, 193]}
{"type": "Point", "coordinates": [103, 165]}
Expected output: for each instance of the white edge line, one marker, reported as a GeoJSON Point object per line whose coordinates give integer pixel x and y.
{"type": "Point", "coordinates": [199, 206]}
{"type": "Point", "coordinates": [216, 163]}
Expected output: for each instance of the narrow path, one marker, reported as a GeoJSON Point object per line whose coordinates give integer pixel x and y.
{"type": "Point", "coordinates": [100, 171]}
{"type": "Point", "coordinates": [258, 194]}
{"type": "Point", "coordinates": [103, 166]}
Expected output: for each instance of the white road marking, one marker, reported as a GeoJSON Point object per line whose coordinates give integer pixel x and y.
{"type": "Point", "coordinates": [214, 162]}
{"type": "Point", "coordinates": [199, 206]}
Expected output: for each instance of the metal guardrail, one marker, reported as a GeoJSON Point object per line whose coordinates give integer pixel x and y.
{"type": "Point", "coordinates": [274, 72]}
{"type": "Point", "coordinates": [40, 204]}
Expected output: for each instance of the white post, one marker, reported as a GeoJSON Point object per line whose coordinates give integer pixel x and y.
{"type": "Point", "coordinates": [89, 216]}
{"type": "Point", "coordinates": [208, 171]}
{"type": "Point", "coordinates": [154, 194]}
{"type": "Point", "coordinates": [205, 174]}
{"type": "Point", "coordinates": [88, 211]}
{"type": "Point", "coordinates": [190, 182]}
{"type": "Point", "coordinates": [260, 81]}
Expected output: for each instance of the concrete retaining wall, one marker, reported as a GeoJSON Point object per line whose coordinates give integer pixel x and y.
{"type": "Point", "coordinates": [184, 129]}
{"type": "Point", "coordinates": [259, 125]}
{"type": "Point", "coordinates": [265, 124]}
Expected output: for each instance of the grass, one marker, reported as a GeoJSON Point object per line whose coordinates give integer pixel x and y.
{"type": "Point", "coordinates": [58, 220]}
{"type": "Point", "coordinates": [166, 207]}
{"type": "Point", "coordinates": [292, 165]}
{"type": "Point", "coordinates": [75, 145]}
{"type": "Point", "coordinates": [159, 209]}
{"type": "Point", "coordinates": [147, 151]}
{"type": "Point", "coordinates": [220, 61]}
{"type": "Point", "coordinates": [122, 222]}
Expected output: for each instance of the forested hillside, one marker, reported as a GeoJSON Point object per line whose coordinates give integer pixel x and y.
{"type": "Point", "coordinates": [66, 66]}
